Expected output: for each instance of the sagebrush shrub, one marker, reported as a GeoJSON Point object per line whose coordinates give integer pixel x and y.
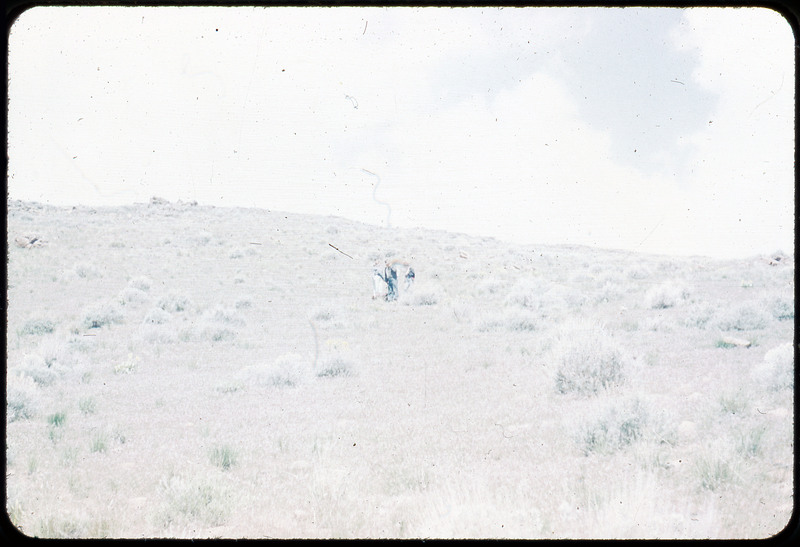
{"type": "Point", "coordinates": [157, 316]}
{"type": "Point", "coordinates": [334, 366]}
{"type": "Point", "coordinates": [588, 360]}
{"type": "Point", "coordinates": [140, 282]}
{"type": "Point", "coordinates": [217, 333]}
{"type": "Point", "coordinates": [224, 316]}
{"type": "Point", "coordinates": [288, 370]}
{"type": "Point", "coordinates": [174, 303]}
{"type": "Point", "coordinates": [782, 308]}
{"type": "Point", "coordinates": [714, 472]}
{"type": "Point", "coordinates": [489, 286]}
{"type": "Point", "coordinates": [699, 316]}
{"type": "Point", "coordinates": [638, 271]}
{"type": "Point", "coordinates": [619, 426]}
{"type": "Point", "coordinates": [743, 317]}
{"type": "Point", "coordinates": [132, 295]}
{"type": "Point", "coordinates": [85, 270]}
{"type": "Point", "coordinates": [520, 320]}
{"type": "Point", "coordinates": [527, 293]}
{"type": "Point", "coordinates": [101, 315]}
{"type": "Point", "coordinates": [323, 315]}
{"type": "Point", "coordinates": [777, 370]}
{"type": "Point", "coordinates": [665, 295]}
{"type": "Point", "coordinates": [37, 327]}
{"type": "Point", "coordinates": [21, 399]}
{"type": "Point", "coordinates": [51, 361]}
{"type": "Point", "coordinates": [158, 334]}
{"type": "Point", "coordinates": [243, 304]}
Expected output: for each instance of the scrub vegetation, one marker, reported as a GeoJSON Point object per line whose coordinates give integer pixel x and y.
{"type": "Point", "coordinates": [211, 372]}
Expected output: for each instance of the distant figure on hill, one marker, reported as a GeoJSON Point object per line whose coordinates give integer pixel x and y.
{"type": "Point", "coordinates": [378, 281]}
{"type": "Point", "coordinates": [409, 279]}
{"type": "Point", "coordinates": [385, 283]}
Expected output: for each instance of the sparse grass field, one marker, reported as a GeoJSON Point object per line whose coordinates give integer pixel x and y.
{"type": "Point", "coordinates": [184, 371]}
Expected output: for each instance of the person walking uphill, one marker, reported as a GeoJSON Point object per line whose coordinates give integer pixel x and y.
{"type": "Point", "coordinates": [378, 281]}
{"type": "Point", "coordinates": [390, 275]}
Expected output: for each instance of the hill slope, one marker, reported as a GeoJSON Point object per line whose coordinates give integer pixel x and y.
{"type": "Point", "coordinates": [187, 371]}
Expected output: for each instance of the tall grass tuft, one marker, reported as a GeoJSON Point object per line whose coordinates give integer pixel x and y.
{"type": "Point", "coordinates": [99, 442]}
{"type": "Point", "coordinates": [87, 405]}
{"type": "Point", "coordinates": [223, 457]}
{"type": "Point", "coordinates": [191, 500]}
{"type": "Point", "coordinates": [749, 444]}
{"type": "Point", "coordinates": [57, 419]}
{"type": "Point", "coordinates": [424, 297]}
{"type": "Point", "coordinates": [734, 403]}
{"type": "Point", "coordinates": [714, 472]}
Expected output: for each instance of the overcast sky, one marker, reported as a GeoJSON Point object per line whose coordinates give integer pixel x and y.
{"type": "Point", "coordinates": [654, 130]}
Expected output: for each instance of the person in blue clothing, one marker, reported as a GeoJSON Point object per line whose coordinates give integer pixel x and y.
{"type": "Point", "coordinates": [378, 281]}
{"type": "Point", "coordinates": [409, 279]}
{"type": "Point", "coordinates": [390, 275]}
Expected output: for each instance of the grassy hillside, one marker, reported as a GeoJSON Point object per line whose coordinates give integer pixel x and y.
{"type": "Point", "coordinates": [186, 371]}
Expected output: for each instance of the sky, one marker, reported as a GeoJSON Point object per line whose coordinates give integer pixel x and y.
{"type": "Point", "coordinates": [657, 130]}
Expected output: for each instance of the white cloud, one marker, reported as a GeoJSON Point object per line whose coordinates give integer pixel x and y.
{"type": "Point", "coordinates": [469, 117]}
{"type": "Point", "coordinates": [740, 194]}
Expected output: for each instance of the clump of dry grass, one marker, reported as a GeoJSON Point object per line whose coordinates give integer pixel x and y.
{"type": "Point", "coordinates": [191, 500]}
{"type": "Point", "coordinates": [85, 270]}
{"type": "Point", "coordinates": [287, 370]}
{"type": "Point", "coordinates": [424, 297]}
{"type": "Point", "coordinates": [638, 271]}
{"type": "Point", "coordinates": [216, 325]}
{"type": "Point", "coordinates": [666, 295]}
{"type": "Point", "coordinates": [588, 360]}
{"type": "Point", "coordinates": [223, 456]}
{"type": "Point", "coordinates": [527, 293]}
